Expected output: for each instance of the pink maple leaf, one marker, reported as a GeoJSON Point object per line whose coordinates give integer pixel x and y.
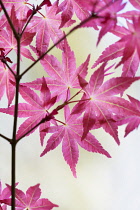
{"type": "Point", "coordinates": [100, 103]}
{"type": "Point", "coordinates": [70, 133]}
{"type": "Point", "coordinates": [79, 7]}
{"type": "Point", "coordinates": [135, 3]}
{"type": "Point", "coordinates": [31, 200]}
{"type": "Point", "coordinates": [128, 47]}
{"type": "Point", "coordinates": [21, 7]}
{"type": "Point", "coordinates": [133, 122]}
{"type": "Point", "coordinates": [108, 16]}
{"type": "Point", "coordinates": [46, 27]}
{"type": "Point", "coordinates": [113, 51]}
{"type": "Point", "coordinates": [5, 82]}
{"type": "Point", "coordinates": [130, 40]}
{"type": "Point", "coordinates": [4, 195]}
{"type": "Point", "coordinates": [63, 76]}
{"type": "Point", "coordinates": [8, 41]}
{"type": "Point", "coordinates": [36, 109]}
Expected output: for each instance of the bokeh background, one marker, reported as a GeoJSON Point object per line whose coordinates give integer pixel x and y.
{"type": "Point", "coordinates": [101, 183]}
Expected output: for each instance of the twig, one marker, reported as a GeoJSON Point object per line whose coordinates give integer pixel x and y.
{"type": "Point", "coordinates": [6, 138]}
{"type": "Point", "coordinates": [53, 46]}
{"type": "Point", "coordinates": [9, 68]}
{"type": "Point", "coordinates": [13, 144]}
{"type": "Point", "coordinates": [92, 16]}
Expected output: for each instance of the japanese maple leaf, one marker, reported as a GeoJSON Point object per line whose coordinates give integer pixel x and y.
{"type": "Point", "coordinates": [99, 102]}
{"type": "Point", "coordinates": [104, 15]}
{"type": "Point", "coordinates": [21, 7]}
{"type": "Point", "coordinates": [63, 76]}
{"type": "Point", "coordinates": [68, 7]}
{"type": "Point", "coordinates": [3, 21]}
{"type": "Point", "coordinates": [108, 16]}
{"type": "Point", "coordinates": [36, 109]}
{"type": "Point", "coordinates": [132, 121]}
{"type": "Point", "coordinates": [4, 195]}
{"type": "Point", "coordinates": [31, 200]}
{"type": "Point", "coordinates": [5, 82]}
{"type": "Point", "coordinates": [130, 14]}
{"type": "Point", "coordinates": [130, 39]}
{"type": "Point", "coordinates": [113, 51]}
{"type": "Point", "coordinates": [128, 47]}
{"type": "Point", "coordinates": [70, 133]}
{"type": "Point", "coordinates": [135, 3]}
{"type": "Point", "coordinates": [8, 41]}
{"type": "Point", "coordinates": [46, 27]}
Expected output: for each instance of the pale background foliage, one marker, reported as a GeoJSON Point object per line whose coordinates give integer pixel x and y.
{"type": "Point", "coordinates": [102, 183]}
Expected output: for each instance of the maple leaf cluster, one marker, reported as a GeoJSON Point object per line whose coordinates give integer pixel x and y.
{"type": "Point", "coordinates": [97, 103]}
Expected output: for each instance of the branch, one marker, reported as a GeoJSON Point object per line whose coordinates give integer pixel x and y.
{"type": "Point", "coordinates": [29, 19]}
{"type": "Point", "coordinates": [93, 16]}
{"type": "Point", "coordinates": [6, 138]}
{"type": "Point", "coordinates": [13, 143]}
{"type": "Point", "coordinates": [9, 68]}
{"type": "Point", "coordinates": [47, 118]}
{"type": "Point", "coordinates": [60, 40]}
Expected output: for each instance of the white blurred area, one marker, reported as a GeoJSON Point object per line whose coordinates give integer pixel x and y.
{"type": "Point", "coordinates": [101, 183]}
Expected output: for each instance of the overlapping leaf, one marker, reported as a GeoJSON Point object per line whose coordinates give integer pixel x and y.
{"type": "Point", "coordinates": [8, 41]}
{"type": "Point", "coordinates": [68, 7]}
{"type": "Point", "coordinates": [46, 27]}
{"type": "Point", "coordinates": [35, 109]}
{"type": "Point", "coordinates": [21, 7]}
{"type": "Point", "coordinates": [64, 76]}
